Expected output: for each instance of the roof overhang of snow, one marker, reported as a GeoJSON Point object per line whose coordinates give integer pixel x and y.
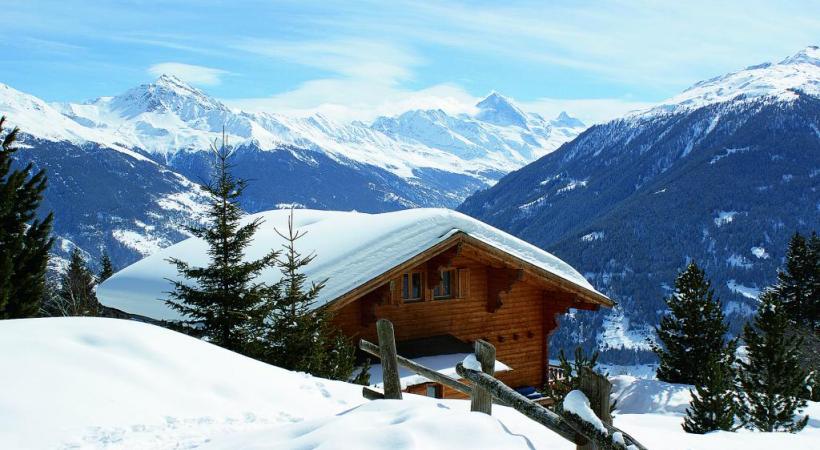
{"type": "Point", "coordinates": [355, 254]}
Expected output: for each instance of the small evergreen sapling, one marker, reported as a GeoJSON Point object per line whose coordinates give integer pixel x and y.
{"type": "Point", "coordinates": [301, 337]}
{"type": "Point", "coordinates": [774, 385]}
{"type": "Point", "coordinates": [693, 333]}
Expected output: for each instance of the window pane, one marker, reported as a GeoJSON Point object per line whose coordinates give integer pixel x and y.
{"type": "Point", "coordinates": [416, 285]}
{"type": "Point", "coordinates": [445, 289]}
{"type": "Point", "coordinates": [446, 283]}
{"type": "Point", "coordinates": [432, 391]}
{"type": "Point", "coordinates": [405, 286]}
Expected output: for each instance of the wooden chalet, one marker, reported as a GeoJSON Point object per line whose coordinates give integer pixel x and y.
{"type": "Point", "coordinates": [442, 278]}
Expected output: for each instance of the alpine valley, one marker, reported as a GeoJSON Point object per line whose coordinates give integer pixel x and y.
{"type": "Point", "coordinates": [125, 171]}
{"type": "Point", "coordinates": [723, 173]}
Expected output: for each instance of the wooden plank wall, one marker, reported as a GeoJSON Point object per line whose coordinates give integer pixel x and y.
{"type": "Point", "coordinates": [518, 330]}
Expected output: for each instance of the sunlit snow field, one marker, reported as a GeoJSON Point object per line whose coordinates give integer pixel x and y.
{"type": "Point", "coordinates": [90, 383]}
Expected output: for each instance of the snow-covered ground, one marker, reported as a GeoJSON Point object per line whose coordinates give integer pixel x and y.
{"type": "Point", "coordinates": [86, 383]}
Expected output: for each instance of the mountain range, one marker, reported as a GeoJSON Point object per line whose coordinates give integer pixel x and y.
{"type": "Point", "coordinates": [722, 174]}
{"type": "Point", "coordinates": [124, 171]}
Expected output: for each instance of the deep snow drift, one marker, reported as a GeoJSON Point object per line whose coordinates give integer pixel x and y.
{"type": "Point", "coordinates": [88, 383]}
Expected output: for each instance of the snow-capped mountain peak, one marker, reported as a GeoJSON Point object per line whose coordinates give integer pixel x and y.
{"type": "Point", "coordinates": [499, 110]}
{"type": "Point", "coordinates": [800, 72]}
{"type": "Point", "coordinates": [565, 120]}
{"type": "Point", "coordinates": [167, 94]}
{"type": "Point", "coordinates": [809, 55]}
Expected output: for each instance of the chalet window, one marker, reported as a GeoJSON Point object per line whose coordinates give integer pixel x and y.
{"type": "Point", "coordinates": [447, 287]}
{"type": "Point", "coordinates": [433, 390]}
{"type": "Point", "coordinates": [411, 286]}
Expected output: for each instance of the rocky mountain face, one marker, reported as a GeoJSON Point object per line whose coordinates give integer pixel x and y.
{"type": "Point", "coordinates": [124, 170]}
{"type": "Point", "coordinates": [723, 174]}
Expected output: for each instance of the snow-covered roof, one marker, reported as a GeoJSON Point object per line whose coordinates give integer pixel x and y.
{"type": "Point", "coordinates": [351, 249]}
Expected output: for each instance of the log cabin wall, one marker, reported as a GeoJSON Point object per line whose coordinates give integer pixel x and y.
{"type": "Point", "coordinates": [519, 328]}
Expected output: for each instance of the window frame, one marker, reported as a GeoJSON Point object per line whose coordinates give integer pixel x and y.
{"type": "Point", "coordinates": [409, 276]}
{"type": "Point", "coordinates": [453, 285]}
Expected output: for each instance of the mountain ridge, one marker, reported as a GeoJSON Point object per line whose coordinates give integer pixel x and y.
{"type": "Point", "coordinates": [631, 201]}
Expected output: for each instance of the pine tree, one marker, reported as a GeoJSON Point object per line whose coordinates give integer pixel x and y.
{"type": "Point", "coordinates": [714, 403]}
{"type": "Point", "coordinates": [774, 386]}
{"type": "Point", "coordinates": [24, 241]}
{"type": "Point", "coordinates": [693, 334]}
{"type": "Point", "coordinates": [75, 296]}
{"type": "Point", "coordinates": [106, 269]}
{"type": "Point", "coordinates": [222, 300]}
{"type": "Point", "coordinates": [798, 286]}
{"type": "Point", "coordinates": [302, 337]}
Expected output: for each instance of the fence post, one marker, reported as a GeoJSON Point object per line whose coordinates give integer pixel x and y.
{"type": "Point", "coordinates": [482, 399]}
{"type": "Point", "coordinates": [390, 364]}
{"type": "Point", "coordinates": [597, 388]}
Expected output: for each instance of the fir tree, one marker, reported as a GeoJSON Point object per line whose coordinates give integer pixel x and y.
{"type": "Point", "coordinates": [302, 337]}
{"type": "Point", "coordinates": [774, 386]}
{"type": "Point", "coordinates": [693, 334]}
{"type": "Point", "coordinates": [714, 403]}
{"type": "Point", "coordinates": [24, 241]}
{"type": "Point", "coordinates": [798, 290]}
{"type": "Point", "coordinates": [798, 285]}
{"type": "Point", "coordinates": [106, 269]}
{"type": "Point", "coordinates": [222, 300]}
{"type": "Point", "coordinates": [75, 296]}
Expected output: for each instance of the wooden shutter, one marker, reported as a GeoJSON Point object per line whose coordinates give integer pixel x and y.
{"type": "Point", "coordinates": [463, 289]}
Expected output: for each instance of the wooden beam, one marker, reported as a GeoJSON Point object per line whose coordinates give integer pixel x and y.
{"type": "Point", "coordinates": [522, 404]}
{"type": "Point", "coordinates": [500, 281]}
{"type": "Point", "coordinates": [568, 427]}
{"type": "Point", "coordinates": [372, 394]}
{"type": "Point", "coordinates": [387, 355]}
{"type": "Point", "coordinates": [482, 400]}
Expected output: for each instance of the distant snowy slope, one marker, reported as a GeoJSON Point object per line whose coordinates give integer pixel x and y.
{"type": "Point", "coordinates": [799, 72]}
{"type": "Point", "coordinates": [169, 115]}
{"type": "Point", "coordinates": [311, 161]}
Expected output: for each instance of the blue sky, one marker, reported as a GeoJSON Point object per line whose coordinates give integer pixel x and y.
{"type": "Point", "coordinates": [356, 60]}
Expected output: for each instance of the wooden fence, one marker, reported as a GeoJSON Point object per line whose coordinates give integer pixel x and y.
{"type": "Point", "coordinates": [485, 390]}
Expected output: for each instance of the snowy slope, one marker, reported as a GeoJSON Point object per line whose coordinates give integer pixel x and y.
{"type": "Point", "coordinates": [90, 383]}
{"type": "Point", "coordinates": [105, 383]}
{"type": "Point", "coordinates": [800, 72]}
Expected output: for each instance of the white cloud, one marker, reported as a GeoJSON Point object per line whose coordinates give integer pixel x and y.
{"type": "Point", "coordinates": [355, 99]}
{"type": "Point", "coordinates": [365, 80]}
{"type": "Point", "coordinates": [201, 75]}
{"type": "Point", "coordinates": [360, 59]}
